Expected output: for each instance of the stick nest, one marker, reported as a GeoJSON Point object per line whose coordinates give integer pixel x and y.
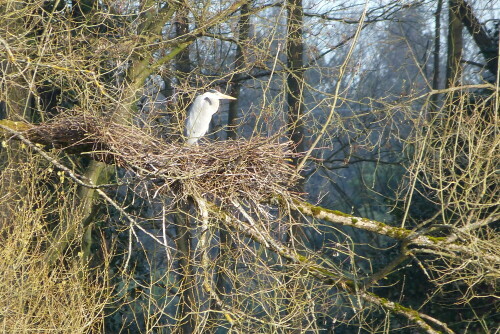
{"type": "Point", "coordinates": [255, 169]}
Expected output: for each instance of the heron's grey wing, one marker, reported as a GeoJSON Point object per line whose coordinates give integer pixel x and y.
{"type": "Point", "coordinates": [199, 117]}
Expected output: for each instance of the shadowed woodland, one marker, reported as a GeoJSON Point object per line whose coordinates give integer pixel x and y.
{"type": "Point", "coordinates": [352, 187]}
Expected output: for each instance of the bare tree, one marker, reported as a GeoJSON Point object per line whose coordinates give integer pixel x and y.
{"type": "Point", "coordinates": [108, 227]}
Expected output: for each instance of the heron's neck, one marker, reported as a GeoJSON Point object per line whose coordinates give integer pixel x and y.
{"type": "Point", "coordinates": [214, 103]}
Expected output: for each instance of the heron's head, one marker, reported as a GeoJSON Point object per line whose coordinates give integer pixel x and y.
{"type": "Point", "coordinates": [213, 93]}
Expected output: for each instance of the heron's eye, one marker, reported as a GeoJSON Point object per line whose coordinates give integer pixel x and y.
{"type": "Point", "coordinates": [208, 100]}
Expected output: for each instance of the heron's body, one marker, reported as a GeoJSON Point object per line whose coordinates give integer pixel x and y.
{"type": "Point", "coordinates": [200, 114]}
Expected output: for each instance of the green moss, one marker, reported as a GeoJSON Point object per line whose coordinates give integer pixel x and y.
{"type": "Point", "coordinates": [322, 271]}
{"type": "Point", "coordinates": [436, 239]}
{"type": "Point", "coordinates": [338, 213]}
{"type": "Point", "coordinates": [392, 231]}
{"type": "Point", "coordinates": [398, 232]}
{"type": "Point", "coordinates": [354, 221]}
{"type": "Point", "coordinates": [315, 210]}
{"type": "Point", "coordinates": [383, 301]}
{"type": "Point", "coordinates": [16, 126]}
{"type": "Point", "coordinates": [301, 258]}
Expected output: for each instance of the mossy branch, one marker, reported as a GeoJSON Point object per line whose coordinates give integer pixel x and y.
{"type": "Point", "coordinates": [449, 244]}
{"type": "Point", "coordinates": [345, 219]}
{"type": "Point", "coordinates": [142, 70]}
{"type": "Point", "coordinates": [16, 126]}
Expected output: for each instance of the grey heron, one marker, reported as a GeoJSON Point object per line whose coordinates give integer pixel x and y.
{"type": "Point", "coordinates": [200, 114]}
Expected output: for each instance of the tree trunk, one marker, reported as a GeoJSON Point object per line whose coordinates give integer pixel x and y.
{"type": "Point", "coordinates": [488, 46]}
{"type": "Point", "coordinates": [187, 299]}
{"type": "Point", "coordinates": [437, 51]}
{"type": "Point", "coordinates": [295, 65]}
{"type": "Point", "coordinates": [239, 63]}
{"type": "Point", "coordinates": [182, 60]}
{"type": "Point", "coordinates": [187, 321]}
{"type": "Point", "coordinates": [455, 45]}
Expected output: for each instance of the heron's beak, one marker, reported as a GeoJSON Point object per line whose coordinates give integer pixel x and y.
{"type": "Point", "coordinates": [226, 97]}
